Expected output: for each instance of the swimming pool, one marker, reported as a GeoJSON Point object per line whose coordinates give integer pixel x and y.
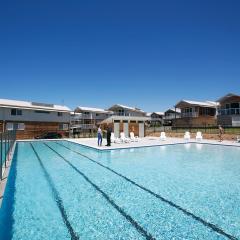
{"type": "Point", "coordinates": [62, 190]}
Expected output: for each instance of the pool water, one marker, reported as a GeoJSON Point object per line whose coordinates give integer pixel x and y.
{"type": "Point", "coordinates": [62, 190]}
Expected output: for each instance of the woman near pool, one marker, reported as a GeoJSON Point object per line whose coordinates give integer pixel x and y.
{"type": "Point", "coordinates": [99, 136]}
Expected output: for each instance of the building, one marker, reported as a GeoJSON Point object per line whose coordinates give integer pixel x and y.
{"type": "Point", "coordinates": [126, 119]}
{"type": "Point", "coordinates": [31, 119]}
{"type": "Point", "coordinates": [156, 118]}
{"type": "Point", "coordinates": [229, 110]}
{"type": "Point", "coordinates": [196, 114]}
{"type": "Point", "coordinates": [170, 115]}
{"type": "Point", "coordinates": [86, 119]}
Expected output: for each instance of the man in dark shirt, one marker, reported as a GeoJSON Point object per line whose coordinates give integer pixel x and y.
{"type": "Point", "coordinates": [109, 131]}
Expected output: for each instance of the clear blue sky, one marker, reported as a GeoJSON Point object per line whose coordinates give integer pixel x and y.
{"type": "Point", "coordinates": [148, 54]}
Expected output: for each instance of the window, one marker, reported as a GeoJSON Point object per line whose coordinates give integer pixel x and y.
{"type": "Point", "coordinates": [16, 112]}
{"type": "Point", "coordinates": [63, 126]}
{"type": "Point", "coordinates": [9, 126]}
{"type": "Point", "coordinates": [60, 114]}
{"type": "Point", "coordinates": [21, 126]}
{"type": "Point", "coordinates": [120, 112]}
{"type": "Point", "coordinates": [40, 111]}
{"type": "Point", "coordinates": [15, 126]}
{"type": "Point", "coordinates": [234, 105]}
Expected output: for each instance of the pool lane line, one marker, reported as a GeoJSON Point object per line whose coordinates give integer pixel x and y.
{"type": "Point", "coordinates": [134, 223]}
{"type": "Point", "coordinates": [58, 200]}
{"type": "Point", "coordinates": [212, 226]}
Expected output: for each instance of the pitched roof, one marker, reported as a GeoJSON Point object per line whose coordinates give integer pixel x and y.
{"type": "Point", "coordinates": [91, 109]}
{"type": "Point", "coordinates": [126, 107]}
{"type": "Point", "coordinates": [198, 103]}
{"type": "Point", "coordinates": [178, 110]}
{"type": "Point", "coordinates": [32, 105]}
{"type": "Point", "coordinates": [159, 113]}
{"type": "Point", "coordinates": [229, 95]}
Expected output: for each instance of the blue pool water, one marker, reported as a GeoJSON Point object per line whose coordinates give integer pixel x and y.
{"type": "Point", "coordinates": [62, 190]}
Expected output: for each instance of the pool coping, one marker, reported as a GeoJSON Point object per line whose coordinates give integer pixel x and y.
{"type": "Point", "coordinates": [6, 172]}
{"type": "Point", "coordinates": [161, 143]}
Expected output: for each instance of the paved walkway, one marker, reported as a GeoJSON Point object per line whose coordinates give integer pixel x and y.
{"type": "Point", "coordinates": [145, 142]}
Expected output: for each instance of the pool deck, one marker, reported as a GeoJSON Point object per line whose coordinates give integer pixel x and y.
{"type": "Point", "coordinates": [146, 142]}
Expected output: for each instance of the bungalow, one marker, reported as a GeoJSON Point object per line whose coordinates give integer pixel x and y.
{"type": "Point", "coordinates": [196, 114]}
{"type": "Point", "coordinates": [30, 119]}
{"type": "Point", "coordinates": [156, 118]}
{"type": "Point", "coordinates": [126, 119]}
{"type": "Point", "coordinates": [170, 115]}
{"type": "Point", "coordinates": [229, 110]}
{"type": "Point", "coordinates": [87, 118]}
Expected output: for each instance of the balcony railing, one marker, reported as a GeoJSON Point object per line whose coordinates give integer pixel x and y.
{"type": "Point", "coordinates": [171, 117]}
{"type": "Point", "coordinates": [84, 126]}
{"type": "Point", "coordinates": [229, 111]}
{"type": "Point", "coordinates": [89, 116]}
{"type": "Point", "coordinates": [189, 114]}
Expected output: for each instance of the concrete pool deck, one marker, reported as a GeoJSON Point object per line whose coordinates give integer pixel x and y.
{"type": "Point", "coordinates": [146, 142]}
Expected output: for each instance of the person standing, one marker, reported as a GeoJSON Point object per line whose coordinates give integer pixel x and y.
{"type": "Point", "coordinates": [99, 136]}
{"type": "Point", "coordinates": [109, 131]}
{"type": "Point", "coordinates": [221, 131]}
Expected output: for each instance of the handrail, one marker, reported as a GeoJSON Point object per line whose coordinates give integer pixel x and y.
{"type": "Point", "coordinates": [7, 140]}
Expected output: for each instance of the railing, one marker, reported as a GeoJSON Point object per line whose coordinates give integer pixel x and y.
{"type": "Point", "coordinates": [90, 116]}
{"type": "Point", "coordinates": [7, 140]}
{"type": "Point", "coordinates": [84, 126]}
{"type": "Point", "coordinates": [189, 114]}
{"type": "Point", "coordinates": [171, 117]}
{"type": "Point", "coordinates": [229, 111]}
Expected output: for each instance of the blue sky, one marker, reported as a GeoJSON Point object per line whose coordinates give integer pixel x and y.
{"type": "Point", "coordinates": [148, 54]}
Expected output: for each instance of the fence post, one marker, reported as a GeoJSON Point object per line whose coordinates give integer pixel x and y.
{"type": "Point", "coordinates": [5, 146]}
{"type": "Point", "coordinates": [8, 139]}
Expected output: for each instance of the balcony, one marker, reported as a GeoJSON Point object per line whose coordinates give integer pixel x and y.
{"type": "Point", "coordinates": [189, 114]}
{"type": "Point", "coordinates": [229, 111]}
{"type": "Point", "coordinates": [171, 117]}
{"type": "Point", "coordinates": [84, 126]}
{"type": "Point", "coordinates": [91, 117]}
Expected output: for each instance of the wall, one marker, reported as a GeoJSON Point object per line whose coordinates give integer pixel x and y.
{"type": "Point", "coordinates": [31, 115]}
{"type": "Point", "coordinates": [195, 122]}
{"type": "Point", "coordinates": [33, 129]}
{"type": "Point", "coordinates": [132, 127]}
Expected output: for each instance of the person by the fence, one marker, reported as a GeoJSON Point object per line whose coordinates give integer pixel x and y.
{"type": "Point", "coordinates": [221, 132]}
